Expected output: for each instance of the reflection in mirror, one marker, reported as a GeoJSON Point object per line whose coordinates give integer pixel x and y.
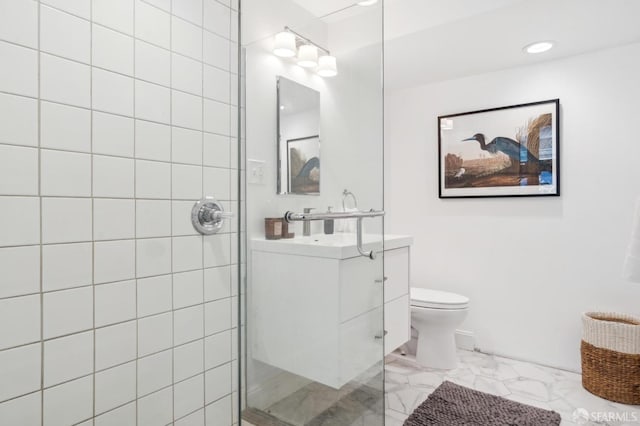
{"type": "Point", "coordinates": [298, 138]}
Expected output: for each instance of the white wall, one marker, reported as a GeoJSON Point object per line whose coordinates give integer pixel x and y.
{"type": "Point", "coordinates": [529, 265]}
{"type": "Point", "coordinates": [114, 120]}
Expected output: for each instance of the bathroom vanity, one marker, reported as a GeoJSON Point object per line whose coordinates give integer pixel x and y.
{"type": "Point", "coordinates": [317, 304]}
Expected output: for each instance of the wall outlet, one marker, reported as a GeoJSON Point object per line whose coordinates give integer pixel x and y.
{"type": "Point", "coordinates": [255, 172]}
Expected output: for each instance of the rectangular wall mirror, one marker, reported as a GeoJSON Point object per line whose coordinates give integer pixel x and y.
{"type": "Point", "coordinates": [298, 138]}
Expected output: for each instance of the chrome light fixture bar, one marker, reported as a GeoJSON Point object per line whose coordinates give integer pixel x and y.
{"type": "Point", "coordinates": [289, 44]}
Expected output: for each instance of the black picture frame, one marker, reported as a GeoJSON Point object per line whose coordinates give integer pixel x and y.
{"type": "Point", "coordinates": [525, 175]}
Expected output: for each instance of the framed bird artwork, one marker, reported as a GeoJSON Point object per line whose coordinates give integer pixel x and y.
{"type": "Point", "coordinates": [510, 151]}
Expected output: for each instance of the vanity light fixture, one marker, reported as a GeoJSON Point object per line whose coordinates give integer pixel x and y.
{"type": "Point", "coordinates": [308, 56]}
{"type": "Point", "coordinates": [285, 45]}
{"type": "Point", "coordinates": [367, 2]}
{"type": "Point", "coordinates": [290, 44]}
{"type": "Point", "coordinates": [538, 47]}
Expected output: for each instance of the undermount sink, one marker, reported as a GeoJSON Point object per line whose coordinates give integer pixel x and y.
{"type": "Point", "coordinates": [334, 246]}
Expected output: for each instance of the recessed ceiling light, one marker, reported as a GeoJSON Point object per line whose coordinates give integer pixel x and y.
{"type": "Point", "coordinates": [538, 47]}
{"type": "Point", "coordinates": [281, 107]}
{"type": "Point", "coordinates": [367, 2]}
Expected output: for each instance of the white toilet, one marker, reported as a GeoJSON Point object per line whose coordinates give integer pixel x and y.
{"type": "Point", "coordinates": [435, 315]}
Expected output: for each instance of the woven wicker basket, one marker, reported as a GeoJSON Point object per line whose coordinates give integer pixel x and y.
{"type": "Point", "coordinates": [611, 356]}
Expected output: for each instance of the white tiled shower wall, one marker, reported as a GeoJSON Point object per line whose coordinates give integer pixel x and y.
{"type": "Point", "coordinates": [115, 116]}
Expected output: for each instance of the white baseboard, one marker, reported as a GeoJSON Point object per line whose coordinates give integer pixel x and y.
{"type": "Point", "coordinates": [465, 340]}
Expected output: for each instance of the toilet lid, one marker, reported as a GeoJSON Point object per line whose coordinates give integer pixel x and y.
{"type": "Point", "coordinates": [426, 298]}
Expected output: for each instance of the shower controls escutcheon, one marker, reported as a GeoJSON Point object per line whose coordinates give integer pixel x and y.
{"type": "Point", "coordinates": [208, 216]}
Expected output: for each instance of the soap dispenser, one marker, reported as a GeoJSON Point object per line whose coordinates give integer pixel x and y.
{"type": "Point", "coordinates": [328, 223]}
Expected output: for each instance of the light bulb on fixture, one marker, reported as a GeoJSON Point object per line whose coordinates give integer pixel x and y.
{"type": "Point", "coordinates": [308, 56]}
{"type": "Point", "coordinates": [367, 2]}
{"type": "Point", "coordinates": [538, 47]}
{"type": "Point", "coordinates": [285, 45]}
{"type": "Point", "coordinates": [327, 66]}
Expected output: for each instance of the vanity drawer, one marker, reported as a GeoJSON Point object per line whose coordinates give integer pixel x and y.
{"type": "Point", "coordinates": [397, 320]}
{"type": "Point", "coordinates": [360, 344]}
{"type": "Point", "coordinates": [359, 291]}
{"type": "Point", "coordinates": [396, 269]}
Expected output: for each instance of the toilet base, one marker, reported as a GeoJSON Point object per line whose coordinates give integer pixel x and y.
{"type": "Point", "coordinates": [436, 349]}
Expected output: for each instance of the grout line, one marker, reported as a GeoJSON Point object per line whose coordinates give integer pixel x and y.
{"type": "Point", "coordinates": [93, 231]}
{"type": "Point", "coordinates": [173, 327]}
{"type": "Point", "coordinates": [135, 223]}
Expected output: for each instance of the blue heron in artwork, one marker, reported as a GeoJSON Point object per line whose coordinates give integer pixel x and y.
{"type": "Point", "coordinates": [515, 151]}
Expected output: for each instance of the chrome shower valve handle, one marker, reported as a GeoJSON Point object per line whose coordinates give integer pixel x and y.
{"type": "Point", "coordinates": [208, 216]}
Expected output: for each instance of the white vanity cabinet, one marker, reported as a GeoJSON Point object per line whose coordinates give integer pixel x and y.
{"type": "Point", "coordinates": [316, 305]}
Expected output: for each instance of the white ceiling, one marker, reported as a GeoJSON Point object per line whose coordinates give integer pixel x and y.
{"type": "Point", "coordinates": [459, 38]}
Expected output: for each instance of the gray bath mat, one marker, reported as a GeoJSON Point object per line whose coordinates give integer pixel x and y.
{"type": "Point", "coordinates": [455, 405]}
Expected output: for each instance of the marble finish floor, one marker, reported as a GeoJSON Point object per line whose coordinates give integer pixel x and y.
{"type": "Point", "coordinates": [408, 385]}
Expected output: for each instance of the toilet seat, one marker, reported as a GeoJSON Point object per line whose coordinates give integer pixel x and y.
{"type": "Point", "coordinates": [435, 299]}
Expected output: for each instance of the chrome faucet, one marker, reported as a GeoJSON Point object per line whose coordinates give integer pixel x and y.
{"type": "Point", "coordinates": [306, 225]}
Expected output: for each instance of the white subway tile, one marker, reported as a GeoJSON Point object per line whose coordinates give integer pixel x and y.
{"type": "Point", "coordinates": [153, 179]}
{"type": "Point", "coordinates": [153, 63]}
{"type": "Point", "coordinates": [217, 316]}
{"type": "Point", "coordinates": [113, 177]}
{"type": "Point", "coordinates": [22, 411]}
{"type": "Point", "coordinates": [19, 321]}
{"type": "Point", "coordinates": [19, 22]}
{"type": "Point", "coordinates": [19, 221]}
{"type": "Point", "coordinates": [153, 218]}
{"type": "Point", "coordinates": [81, 8]}
{"type": "Point", "coordinates": [116, 14]}
{"type": "Point", "coordinates": [181, 218]}
{"type": "Point", "coordinates": [18, 120]}
{"type": "Point", "coordinates": [113, 134]}
{"type": "Point", "coordinates": [65, 127]}
{"type": "Point", "coordinates": [154, 295]}
{"type": "Point", "coordinates": [153, 25]}
{"type": "Point", "coordinates": [186, 146]}
{"type": "Point", "coordinates": [156, 409]}
{"type": "Point", "coordinates": [187, 253]}
{"type": "Point", "coordinates": [66, 220]}
{"type": "Point", "coordinates": [153, 102]}
{"type": "Point", "coordinates": [217, 250]}
{"type": "Point", "coordinates": [153, 141]}
{"type": "Point", "coordinates": [188, 396]}
{"type": "Point", "coordinates": [153, 256]}
{"type": "Point", "coordinates": [112, 50]}
{"type": "Point", "coordinates": [65, 35]}
{"type": "Point", "coordinates": [65, 81]}
{"type": "Point", "coordinates": [186, 38]}
{"type": "Point", "coordinates": [217, 117]}
{"type": "Point", "coordinates": [217, 17]}
{"type": "Point", "coordinates": [66, 266]}
{"type": "Point", "coordinates": [115, 344]}
{"type": "Point", "coordinates": [193, 419]}
{"type": "Point", "coordinates": [113, 219]}
{"type": "Point", "coordinates": [217, 349]}
{"type": "Point", "coordinates": [115, 302]}
{"type": "Point", "coordinates": [186, 74]}
{"type": "Point", "coordinates": [67, 311]}
{"type": "Point", "coordinates": [155, 333]}
{"type": "Point", "coordinates": [234, 89]}
{"type": "Point", "coordinates": [188, 360]}
{"type": "Point", "coordinates": [186, 182]}
{"type": "Point", "coordinates": [154, 372]}
{"type": "Point", "coordinates": [217, 182]}
{"type": "Point", "coordinates": [216, 50]}
{"type": "Point", "coordinates": [188, 324]}
{"type": "Point", "coordinates": [114, 261]}
{"type": "Point", "coordinates": [112, 92]}
{"type": "Point", "coordinates": [191, 10]}
{"type": "Point", "coordinates": [20, 268]}
{"type": "Point", "coordinates": [233, 57]}
{"type": "Point", "coordinates": [186, 110]}
{"type": "Point", "coordinates": [162, 4]}
{"type": "Point", "coordinates": [217, 283]}
{"type": "Point", "coordinates": [19, 70]}
{"type": "Point", "coordinates": [68, 403]}
{"type": "Point", "coordinates": [216, 84]}
{"type": "Point", "coordinates": [121, 416]}
{"type": "Point", "coordinates": [219, 412]}
{"type": "Point", "coordinates": [115, 387]}
{"type": "Point", "coordinates": [187, 289]}
{"type": "Point", "coordinates": [65, 174]}
{"type": "Point", "coordinates": [68, 358]}
{"type": "Point", "coordinates": [217, 151]}
{"type": "Point", "coordinates": [20, 371]}
{"type": "Point", "coordinates": [217, 383]}
{"type": "Point", "coordinates": [18, 170]}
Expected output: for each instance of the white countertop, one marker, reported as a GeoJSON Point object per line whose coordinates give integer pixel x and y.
{"type": "Point", "coordinates": [335, 246]}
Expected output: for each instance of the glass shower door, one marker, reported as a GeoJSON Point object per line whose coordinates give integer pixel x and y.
{"type": "Point", "coordinates": [313, 329]}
